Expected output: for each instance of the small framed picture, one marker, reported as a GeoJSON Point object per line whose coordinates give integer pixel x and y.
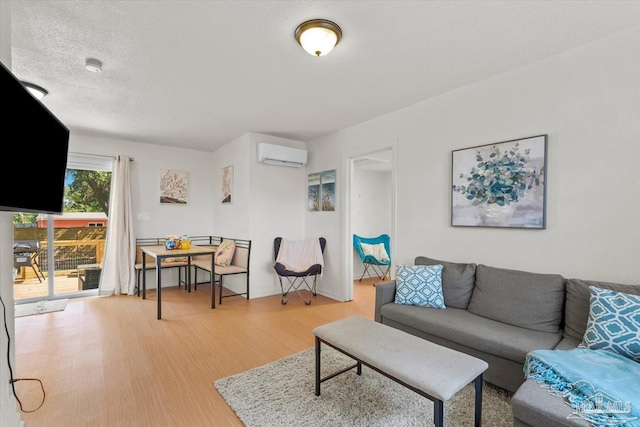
{"type": "Point", "coordinates": [328, 184]}
{"type": "Point", "coordinates": [313, 193]}
{"type": "Point", "coordinates": [174, 187]}
{"type": "Point", "coordinates": [227, 184]}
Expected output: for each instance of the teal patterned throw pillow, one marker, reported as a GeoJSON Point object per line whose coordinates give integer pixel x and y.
{"type": "Point", "coordinates": [614, 323]}
{"type": "Point", "coordinates": [419, 285]}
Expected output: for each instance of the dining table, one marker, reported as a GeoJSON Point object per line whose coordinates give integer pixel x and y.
{"type": "Point", "coordinates": [160, 252]}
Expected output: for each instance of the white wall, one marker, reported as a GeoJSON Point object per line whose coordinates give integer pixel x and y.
{"type": "Point", "coordinates": [370, 208]}
{"type": "Point", "coordinates": [327, 224]}
{"type": "Point", "coordinates": [267, 202]}
{"type": "Point", "coordinates": [585, 100]}
{"type": "Point", "coordinates": [192, 219]}
{"type": "Point", "coordinates": [232, 219]}
{"type": "Point", "coordinates": [278, 198]}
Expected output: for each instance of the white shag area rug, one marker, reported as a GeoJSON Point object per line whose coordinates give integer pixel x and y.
{"type": "Point", "coordinates": [40, 307]}
{"type": "Point", "coordinates": [282, 393]}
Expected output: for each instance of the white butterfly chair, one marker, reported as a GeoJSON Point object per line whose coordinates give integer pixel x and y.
{"type": "Point", "coordinates": [295, 280]}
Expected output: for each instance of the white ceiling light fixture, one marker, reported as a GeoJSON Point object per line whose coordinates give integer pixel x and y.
{"type": "Point", "coordinates": [93, 65]}
{"type": "Point", "coordinates": [318, 36]}
{"type": "Point", "coordinates": [37, 91]}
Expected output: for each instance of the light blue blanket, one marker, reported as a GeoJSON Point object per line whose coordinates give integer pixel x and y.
{"type": "Point", "coordinates": [601, 386]}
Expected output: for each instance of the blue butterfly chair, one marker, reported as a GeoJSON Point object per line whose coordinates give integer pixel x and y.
{"type": "Point", "coordinates": [371, 264]}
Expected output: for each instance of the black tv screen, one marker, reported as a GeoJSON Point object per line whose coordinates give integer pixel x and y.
{"type": "Point", "coordinates": [34, 175]}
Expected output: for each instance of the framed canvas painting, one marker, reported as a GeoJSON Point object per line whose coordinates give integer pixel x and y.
{"type": "Point", "coordinates": [500, 185]}
{"type": "Point", "coordinates": [227, 184]}
{"type": "Point", "coordinates": [328, 185]}
{"type": "Point", "coordinates": [174, 187]}
{"type": "Point", "coordinates": [313, 192]}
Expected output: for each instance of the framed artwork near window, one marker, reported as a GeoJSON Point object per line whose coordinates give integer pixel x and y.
{"type": "Point", "coordinates": [174, 187]}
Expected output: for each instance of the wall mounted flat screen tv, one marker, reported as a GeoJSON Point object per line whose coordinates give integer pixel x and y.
{"type": "Point", "coordinates": [34, 177]}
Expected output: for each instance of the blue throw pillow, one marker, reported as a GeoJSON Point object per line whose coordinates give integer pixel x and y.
{"type": "Point", "coordinates": [419, 285]}
{"type": "Point", "coordinates": [614, 323]}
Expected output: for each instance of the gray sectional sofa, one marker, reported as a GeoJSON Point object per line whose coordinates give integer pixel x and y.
{"type": "Point", "coordinates": [500, 315]}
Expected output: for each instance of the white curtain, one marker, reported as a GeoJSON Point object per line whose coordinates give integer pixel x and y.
{"type": "Point", "coordinates": [118, 275]}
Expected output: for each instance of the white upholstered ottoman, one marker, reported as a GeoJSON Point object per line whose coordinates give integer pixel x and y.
{"type": "Point", "coordinates": [431, 370]}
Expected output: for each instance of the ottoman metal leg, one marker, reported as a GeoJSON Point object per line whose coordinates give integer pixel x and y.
{"type": "Point", "coordinates": [478, 415]}
{"type": "Point", "coordinates": [319, 379]}
{"type": "Point", "coordinates": [438, 412]}
{"type": "Point", "coordinates": [317, 366]}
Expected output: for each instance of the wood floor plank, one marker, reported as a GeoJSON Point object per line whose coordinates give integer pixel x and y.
{"type": "Point", "coordinates": [107, 361]}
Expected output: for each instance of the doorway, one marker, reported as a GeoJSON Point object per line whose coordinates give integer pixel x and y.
{"type": "Point", "coordinates": [370, 206]}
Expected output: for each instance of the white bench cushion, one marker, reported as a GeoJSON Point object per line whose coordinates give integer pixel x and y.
{"type": "Point", "coordinates": [436, 370]}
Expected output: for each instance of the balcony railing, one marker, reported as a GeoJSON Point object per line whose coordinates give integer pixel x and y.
{"type": "Point", "coordinates": [72, 247]}
{"type": "Point", "coordinates": [69, 254]}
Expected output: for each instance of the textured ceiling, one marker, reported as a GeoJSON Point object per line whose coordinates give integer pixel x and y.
{"type": "Point", "coordinates": [198, 74]}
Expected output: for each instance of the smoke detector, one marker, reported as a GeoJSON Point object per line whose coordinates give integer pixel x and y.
{"type": "Point", "coordinates": [93, 65]}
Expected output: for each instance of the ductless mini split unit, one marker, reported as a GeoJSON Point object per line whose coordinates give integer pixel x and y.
{"type": "Point", "coordinates": [281, 155]}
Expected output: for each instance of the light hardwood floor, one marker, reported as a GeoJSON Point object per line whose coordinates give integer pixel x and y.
{"type": "Point", "coordinates": [32, 287]}
{"type": "Point", "coordinates": [107, 361]}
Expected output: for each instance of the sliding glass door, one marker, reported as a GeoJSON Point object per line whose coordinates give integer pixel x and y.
{"type": "Point", "coordinates": [60, 256]}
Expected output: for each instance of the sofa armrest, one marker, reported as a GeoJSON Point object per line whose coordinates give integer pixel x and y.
{"type": "Point", "coordinates": [385, 293]}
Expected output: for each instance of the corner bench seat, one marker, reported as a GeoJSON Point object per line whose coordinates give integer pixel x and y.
{"type": "Point", "coordinates": [239, 265]}
{"type": "Point", "coordinates": [223, 271]}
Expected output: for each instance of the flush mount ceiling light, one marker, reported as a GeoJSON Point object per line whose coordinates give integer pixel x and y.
{"type": "Point", "coordinates": [37, 91]}
{"type": "Point", "coordinates": [93, 65]}
{"type": "Point", "coordinates": [318, 36]}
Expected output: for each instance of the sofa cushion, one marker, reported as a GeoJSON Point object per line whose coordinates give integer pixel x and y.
{"type": "Point", "coordinates": [458, 280]}
{"type": "Point", "coordinates": [576, 311]}
{"type": "Point", "coordinates": [462, 327]}
{"type": "Point", "coordinates": [529, 300]}
{"type": "Point", "coordinates": [419, 285]}
{"type": "Point", "coordinates": [614, 323]}
{"type": "Point", "coordinates": [535, 406]}
{"type": "Point", "coordinates": [567, 343]}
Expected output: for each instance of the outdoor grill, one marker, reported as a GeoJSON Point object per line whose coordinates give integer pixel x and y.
{"type": "Point", "coordinates": [25, 254]}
